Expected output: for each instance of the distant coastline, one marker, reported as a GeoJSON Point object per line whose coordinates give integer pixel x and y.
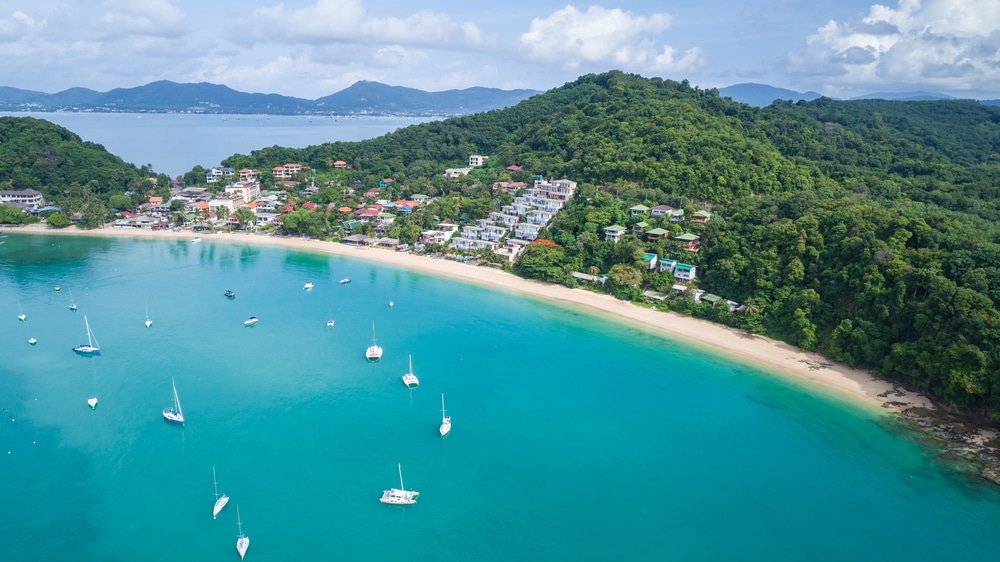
{"type": "Point", "coordinates": [811, 370]}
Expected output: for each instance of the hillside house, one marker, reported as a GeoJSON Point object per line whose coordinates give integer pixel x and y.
{"type": "Point", "coordinates": [614, 232]}
{"type": "Point", "coordinates": [656, 234]}
{"type": "Point", "coordinates": [287, 171]}
{"type": "Point", "coordinates": [340, 165]}
{"type": "Point", "coordinates": [638, 210]}
{"type": "Point", "coordinates": [477, 160]}
{"type": "Point", "coordinates": [701, 217]}
{"type": "Point", "coordinates": [689, 241]}
{"type": "Point", "coordinates": [660, 211]}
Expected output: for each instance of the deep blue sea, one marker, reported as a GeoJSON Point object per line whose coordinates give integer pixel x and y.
{"type": "Point", "coordinates": [574, 437]}
{"type": "Point", "coordinates": [174, 143]}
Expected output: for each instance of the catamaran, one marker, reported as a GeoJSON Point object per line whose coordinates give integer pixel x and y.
{"type": "Point", "coordinates": [409, 379]}
{"type": "Point", "coordinates": [91, 347]}
{"type": "Point", "coordinates": [174, 414]}
{"type": "Point", "coordinates": [399, 496]}
{"type": "Point", "coordinates": [242, 541]}
{"type": "Point", "coordinates": [445, 420]}
{"type": "Point", "coordinates": [220, 499]}
{"type": "Point", "coordinates": [374, 352]}
{"type": "Point", "coordinates": [92, 402]}
{"type": "Point", "coordinates": [148, 321]}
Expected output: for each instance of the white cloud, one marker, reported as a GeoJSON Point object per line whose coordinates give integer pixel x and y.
{"type": "Point", "coordinates": [604, 36]}
{"type": "Point", "coordinates": [155, 18]}
{"type": "Point", "coordinates": [947, 44]}
{"type": "Point", "coordinates": [347, 21]}
{"type": "Point", "coordinates": [18, 25]}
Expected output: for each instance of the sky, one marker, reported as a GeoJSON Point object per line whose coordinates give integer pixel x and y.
{"type": "Point", "coordinates": [313, 48]}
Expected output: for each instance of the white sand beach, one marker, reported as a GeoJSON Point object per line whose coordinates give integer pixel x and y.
{"type": "Point", "coordinates": [815, 371]}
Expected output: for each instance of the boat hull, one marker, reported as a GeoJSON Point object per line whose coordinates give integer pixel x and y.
{"type": "Point", "coordinates": [219, 505]}
{"type": "Point", "coordinates": [172, 416]}
{"type": "Point", "coordinates": [87, 350]}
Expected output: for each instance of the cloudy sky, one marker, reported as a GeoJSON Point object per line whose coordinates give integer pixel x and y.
{"type": "Point", "coordinates": [311, 48]}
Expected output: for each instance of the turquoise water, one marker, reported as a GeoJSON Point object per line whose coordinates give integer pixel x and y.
{"type": "Point", "coordinates": [574, 438]}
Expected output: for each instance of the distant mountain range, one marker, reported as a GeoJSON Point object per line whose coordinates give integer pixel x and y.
{"type": "Point", "coordinates": [171, 97]}
{"type": "Point", "coordinates": [761, 95]}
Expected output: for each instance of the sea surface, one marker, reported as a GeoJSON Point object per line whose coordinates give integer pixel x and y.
{"type": "Point", "coordinates": [574, 437]}
{"type": "Point", "coordinates": [174, 143]}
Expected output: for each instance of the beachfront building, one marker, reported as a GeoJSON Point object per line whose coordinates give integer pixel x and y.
{"type": "Point", "coordinates": [527, 230]}
{"type": "Point", "coordinates": [287, 171]}
{"type": "Point", "coordinates": [614, 232]}
{"type": "Point", "coordinates": [452, 173]}
{"type": "Point", "coordinates": [218, 173]}
{"type": "Point", "coordinates": [24, 199]}
{"type": "Point", "coordinates": [246, 190]}
{"type": "Point", "coordinates": [141, 222]}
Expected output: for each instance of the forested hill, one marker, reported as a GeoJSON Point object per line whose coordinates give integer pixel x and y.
{"type": "Point", "coordinates": [72, 173]}
{"type": "Point", "coordinates": [867, 230]}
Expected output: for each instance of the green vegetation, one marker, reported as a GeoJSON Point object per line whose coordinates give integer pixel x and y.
{"type": "Point", "coordinates": [865, 230]}
{"type": "Point", "coordinates": [75, 175]}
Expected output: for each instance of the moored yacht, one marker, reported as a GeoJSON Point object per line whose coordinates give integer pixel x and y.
{"type": "Point", "coordinates": [445, 420]}
{"type": "Point", "coordinates": [399, 496]}
{"type": "Point", "coordinates": [374, 351]}
{"type": "Point", "coordinates": [250, 321]}
{"type": "Point", "coordinates": [409, 379]}
{"type": "Point", "coordinates": [174, 414]}
{"type": "Point", "coordinates": [308, 286]}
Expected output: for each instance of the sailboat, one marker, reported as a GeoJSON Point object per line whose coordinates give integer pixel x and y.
{"type": "Point", "coordinates": [242, 541]}
{"type": "Point", "coordinates": [399, 496]}
{"type": "Point", "coordinates": [91, 347]}
{"type": "Point", "coordinates": [445, 420]}
{"type": "Point", "coordinates": [174, 414]}
{"type": "Point", "coordinates": [92, 402]}
{"type": "Point", "coordinates": [72, 301]}
{"type": "Point", "coordinates": [409, 379]}
{"type": "Point", "coordinates": [148, 321]}
{"type": "Point", "coordinates": [374, 352]}
{"type": "Point", "coordinates": [20, 313]}
{"type": "Point", "coordinates": [220, 499]}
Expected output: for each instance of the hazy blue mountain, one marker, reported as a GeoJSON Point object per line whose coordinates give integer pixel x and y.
{"type": "Point", "coordinates": [761, 95]}
{"type": "Point", "coordinates": [905, 96]}
{"type": "Point", "coordinates": [167, 96]}
{"type": "Point", "coordinates": [375, 97]}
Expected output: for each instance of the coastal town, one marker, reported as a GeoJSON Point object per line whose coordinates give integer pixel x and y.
{"type": "Point", "coordinates": [236, 200]}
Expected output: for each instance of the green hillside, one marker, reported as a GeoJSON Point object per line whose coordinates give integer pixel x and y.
{"type": "Point", "coordinates": [866, 230]}
{"type": "Point", "coordinates": [71, 173]}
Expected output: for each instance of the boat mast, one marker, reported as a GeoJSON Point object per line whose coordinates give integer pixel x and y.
{"type": "Point", "coordinates": [215, 483]}
{"type": "Point", "coordinates": [411, 364]}
{"type": "Point", "coordinates": [400, 466]}
{"type": "Point", "coordinates": [442, 407]}
{"type": "Point", "coordinates": [177, 404]}
{"type": "Point", "coordinates": [373, 332]}
{"type": "Point", "coordinates": [90, 340]}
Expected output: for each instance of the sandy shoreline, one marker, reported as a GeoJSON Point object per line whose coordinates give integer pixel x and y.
{"type": "Point", "coordinates": [813, 370]}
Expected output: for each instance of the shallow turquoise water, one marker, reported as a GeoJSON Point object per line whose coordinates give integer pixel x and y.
{"type": "Point", "coordinates": [574, 438]}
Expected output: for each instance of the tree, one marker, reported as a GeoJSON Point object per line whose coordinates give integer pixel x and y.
{"type": "Point", "coordinates": [542, 261]}
{"type": "Point", "coordinates": [245, 217]}
{"type": "Point", "coordinates": [624, 281]}
{"type": "Point", "coordinates": [58, 220]}
{"type": "Point", "coordinates": [11, 215]}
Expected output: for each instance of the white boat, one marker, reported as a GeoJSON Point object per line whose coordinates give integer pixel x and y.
{"type": "Point", "coordinates": [91, 347]}
{"type": "Point", "coordinates": [330, 323]}
{"type": "Point", "coordinates": [374, 352]}
{"type": "Point", "coordinates": [250, 321]}
{"type": "Point", "coordinates": [174, 414]}
{"type": "Point", "coordinates": [20, 313]}
{"type": "Point", "coordinates": [392, 304]}
{"type": "Point", "coordinates": [148, 321]}
{"type": "Point", "coordinates": [445, 420]}
{"type": "Point", "coordinates": [220, 499]}
{"type": "Point", "coordinates": [72, 301]}
{"type": "Point", "coordinates": [196, 239]}
{"type": "Point", "coordinates": [92, 402]}
{"type": "Point", "coordinates": [308, 286]}
{"type": "Point", "coordinates": [409, 379]}
{"type": "Point", "coordinates": [58, 288]}
{"type": "Point", "coordinates": [32, 341]}
{"type": "Point", "coordinates": [242, 541]}
{"type": "Point", "coordinates": [345, 281]}
{"type": "Point", "coordinates": [399, 496]}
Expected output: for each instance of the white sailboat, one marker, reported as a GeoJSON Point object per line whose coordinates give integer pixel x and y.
{"type": "Point", "coordinates": [445, 420]}
{"type": "Point", "coordinates": [20, 313]}
{"type": "Point", "coordinates": [399, 496]}
{"type": "Point", "coordinates": [32, 341]}
{"type": "Point", "coordinates": [91, 347]}
{"type": "Point", "coordinates": [242, 541]}
{"type": "Point", "coordinates": [374, 352]}
{"type": "Point", "coordinates": [174, 414]}
{"type": "Point", "coordinates": [252, 321]}
{"type": "Point", "coordinates": [409, 379]}
{"type": "Point", "coordinates": [220, 499]}
{"type": "Point", "coordinates": [148, 322]}
{"type": "Point", "coordinates": [72, 301]}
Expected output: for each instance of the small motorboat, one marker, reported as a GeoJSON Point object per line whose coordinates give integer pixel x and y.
{"type": "Point", "coordinates": [345, 281]}
{"type": "Point", "coordinates": [308, 286]}
{"type": "Point", "coordinates": [250, 321]}
{"type": "Point", "coordinates": [58, 288]}
{"type": "Point", "coordinates": [392, 304]}
{"type": "Point", "coordinates": [32, 341]}
{"type": "Point", "coordinates": [196, 239]}
{"type": "Point", "coordinates": [329, 323]}
{"type": "Point", "coordinates": [230, 294]}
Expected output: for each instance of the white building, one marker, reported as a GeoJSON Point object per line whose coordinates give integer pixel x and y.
{"type": "Point", "coordinates": [21, 198]}
{"type": "Point", "coordinates": [247, 190]}
{"type": "Point", "coordinates": [452, 173]}
{"type": "Point", "coordinates": [477, 160]}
